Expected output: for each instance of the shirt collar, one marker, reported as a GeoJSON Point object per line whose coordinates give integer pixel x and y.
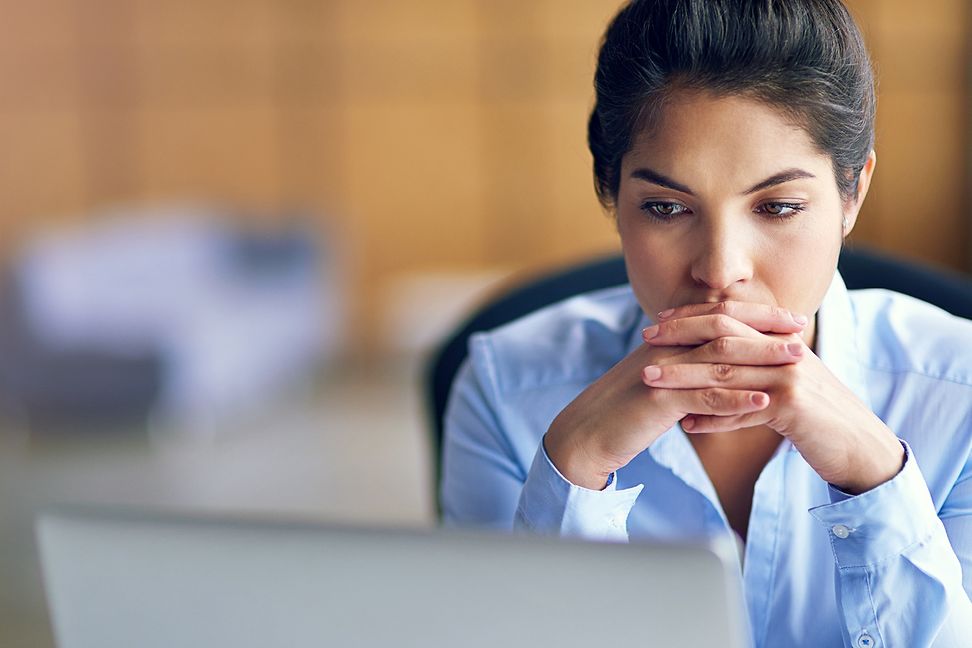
{"type": "Point", "coordinates": [836, 339]}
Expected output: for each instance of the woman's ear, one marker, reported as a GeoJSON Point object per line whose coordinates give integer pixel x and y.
{"type": "Point", "coordinates": [852, 207]}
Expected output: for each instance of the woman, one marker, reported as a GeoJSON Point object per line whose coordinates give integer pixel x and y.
{"type": "Point", "coordinates": [736, 386]}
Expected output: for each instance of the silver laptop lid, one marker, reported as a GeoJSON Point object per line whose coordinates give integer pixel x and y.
{"type": "Point", "coordinates": [118, 580]}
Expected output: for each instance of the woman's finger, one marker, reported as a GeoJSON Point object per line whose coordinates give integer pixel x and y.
{"type": "Point", "coordinates": [692, 331]}
{"type": "Point", "coordinates": [762, 317]}
{"type": "Point", "coordinates": [712, 401]}
{"type": "Point", "coordinates": [741, 351]}
{"type": "Point", "coordinates": [708, 424]}
{"type": "Point", "coordinates": [704, 375]}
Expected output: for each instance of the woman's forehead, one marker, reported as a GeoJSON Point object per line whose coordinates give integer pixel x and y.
{"type": "Point", "coordinates": [734, 137]}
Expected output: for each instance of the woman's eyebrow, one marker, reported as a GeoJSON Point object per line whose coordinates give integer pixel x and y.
{"type": "Point", "coordinates": [779, 178]}
{"type": "Point", "coordinates": [652, 176]}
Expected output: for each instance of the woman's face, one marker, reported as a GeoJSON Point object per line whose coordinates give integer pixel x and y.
{"type": "Point", "coordinates": [727, 200]}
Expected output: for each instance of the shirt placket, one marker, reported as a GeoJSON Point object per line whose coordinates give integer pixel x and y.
{"type": "Point", "coordinates": [762, 543]}
{"type": "Point", "coordinates": [674, 452]}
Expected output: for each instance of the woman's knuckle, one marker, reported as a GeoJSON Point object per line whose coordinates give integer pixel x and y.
{"type": "Point", "coordinates": [711, 399]}
{"type": "Point", "coordinates": [724, 324]}
{"type": "Point", "coordinates": [721, 346]}
{"type": "Point", "coordinates": [723, 372]}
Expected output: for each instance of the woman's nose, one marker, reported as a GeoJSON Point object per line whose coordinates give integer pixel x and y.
{"type": "Point", "coordinates": [723, 256]}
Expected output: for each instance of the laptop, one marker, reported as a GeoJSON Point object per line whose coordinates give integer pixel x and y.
{"type": "Point", "coordinates": [122, 579]}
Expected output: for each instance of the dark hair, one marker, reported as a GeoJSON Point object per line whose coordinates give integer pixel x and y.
{"type": "Point", "coordinates": [804, 57]}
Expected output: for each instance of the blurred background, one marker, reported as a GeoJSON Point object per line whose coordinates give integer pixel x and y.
{"type": "Point", "coordinates": [233, 229]}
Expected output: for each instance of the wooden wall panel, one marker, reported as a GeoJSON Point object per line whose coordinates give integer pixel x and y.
{"type": "Point", "coordinates": [906, 17]}
{"type": "Point", "coordinates": [396, 72]}
{"type": "Point", "coordinates": [228, 153]}
{"type": "Point", "coordinates": [518, 182]}
{"type": "Point", "coordinates": [42, 175]}
{"type": "Point", "coordinates": [919, 183]}
{"type": "Point", "coordinates": [206, 76]}
{"type": "Point", "coordinates": [49, 25]}
{"type": "Point", "coordinates": [414, 186]}
{"type": "Point", "coordinates": [536, 90]}
{"type": "Point", "coordinates": [577, 222]}
{"type": "Point", "coordinates": [313, 150]}
{"type": "Point", "coordinates": [36, 77]}
{"type": "Point", "coordinates": [583, 23]}
{"type": "Point", "coordinates": [230, 24]}
{"type": "Point", "coordinates": [918, 206]}
{"type": "Point", "coordinates": [417, 22]}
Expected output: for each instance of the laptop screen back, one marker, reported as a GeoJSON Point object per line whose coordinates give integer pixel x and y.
{"type": "Point", "coordinates": [118, 580]}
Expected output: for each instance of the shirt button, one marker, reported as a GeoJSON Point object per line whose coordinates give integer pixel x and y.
{"type": "Point", "coordinates": [842, 532]}
{"type": "Point", "coordinates": [865, 641]}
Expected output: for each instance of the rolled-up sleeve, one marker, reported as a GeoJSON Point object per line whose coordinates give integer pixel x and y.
{"type": "Point", "coordinates": [899, 580]}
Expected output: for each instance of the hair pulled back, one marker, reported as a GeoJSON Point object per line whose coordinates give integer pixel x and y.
{"type": "Point", "coordinates": [805, 58]}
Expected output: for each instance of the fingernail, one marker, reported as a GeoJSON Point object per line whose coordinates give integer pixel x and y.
{"type": "Point", "coordinates": [666, 313]}
{"type": "Point", "coordinates": [795, 348]}
{"type": "Point", "coordinates": [759, 400]}
{"type": "Point", "coordinates": [652, 373]}
{"type": "Point", "coordinates": [800, 319]}
{"type": "Point", "coordinates": [688, 422]}
{"type": "Point", "coordinates": [649, 332]}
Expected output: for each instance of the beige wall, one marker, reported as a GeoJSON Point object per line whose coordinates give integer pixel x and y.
{"type": "Point", "coordinates": [437, 133]}
{"type": "Point", "coordinates": [919, 205]}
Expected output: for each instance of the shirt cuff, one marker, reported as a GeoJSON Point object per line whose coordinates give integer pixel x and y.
{"type": "Point", "coordinates": [881, 523]}
{"type": "Point", "coordinates": [551, 504]}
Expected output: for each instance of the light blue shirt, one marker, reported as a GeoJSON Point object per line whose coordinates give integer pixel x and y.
{"type": "Point", "coordinates": [821, 568]}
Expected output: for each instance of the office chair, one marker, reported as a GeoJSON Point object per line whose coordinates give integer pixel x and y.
{"type": "Point", "coordinates": [859, 268]}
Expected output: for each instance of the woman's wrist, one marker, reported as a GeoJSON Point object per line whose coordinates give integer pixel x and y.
{"type": "Point", "coordinates": [574, 462]}
{"type": "Point", "coordinates": [877, 468]}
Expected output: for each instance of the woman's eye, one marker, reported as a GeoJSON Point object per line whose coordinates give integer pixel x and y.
{"type": "Point", "coordinates": [664, 210]}
{"type": "Point", "coordinates": [780, 209]}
